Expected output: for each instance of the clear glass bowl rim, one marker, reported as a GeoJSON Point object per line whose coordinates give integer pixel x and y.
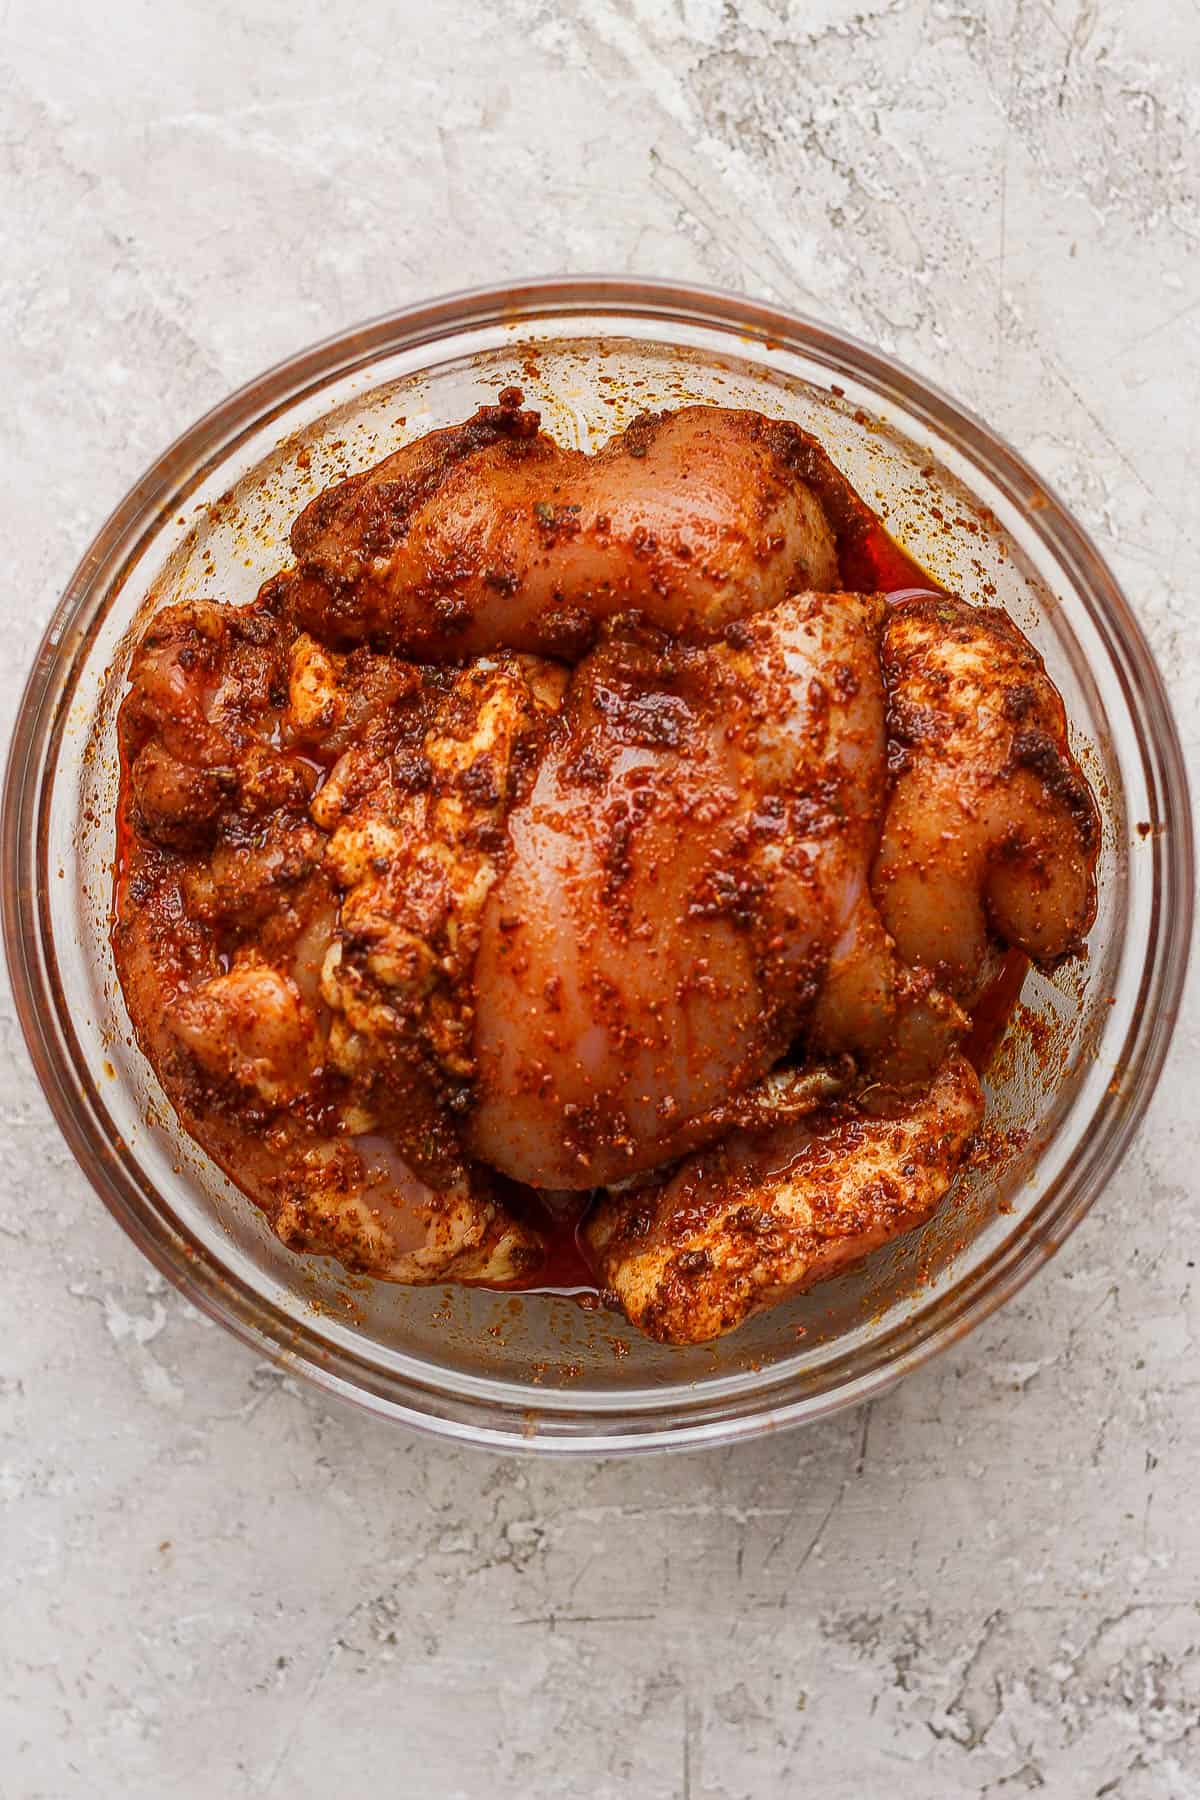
{"type": "Point", "coordinates": [79, 1110]}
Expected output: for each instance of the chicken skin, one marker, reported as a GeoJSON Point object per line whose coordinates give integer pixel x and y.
{"type": "Point", "coordinates": [560, 825]}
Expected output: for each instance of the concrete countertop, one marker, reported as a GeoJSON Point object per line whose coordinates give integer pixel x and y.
{"type": "Point", "coordinates": [213, 1583]}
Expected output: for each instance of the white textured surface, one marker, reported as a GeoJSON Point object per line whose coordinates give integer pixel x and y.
{"type": "Point", "coordinates": [216, 1585]}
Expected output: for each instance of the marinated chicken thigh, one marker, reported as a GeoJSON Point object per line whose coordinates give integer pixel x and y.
{"type": "Point", "coordinates": [670, 877]}
{"type": "Point", "coordinates": [762, 1216]}
{"type": "Point", "coordinates": [231, 930]}
{"type": "Point", "coordinates": [991, 829]}
{"type": "Point", "coordinates": [490, 535]}
{"type": "Point", "coordinates": [699, 833]}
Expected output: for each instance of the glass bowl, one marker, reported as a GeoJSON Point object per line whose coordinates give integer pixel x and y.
{"type": "Point", "coordinates": [542, 1372]}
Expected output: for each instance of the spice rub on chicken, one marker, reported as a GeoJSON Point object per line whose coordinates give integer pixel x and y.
{"type": "Point", "coordinates": [560, 823]}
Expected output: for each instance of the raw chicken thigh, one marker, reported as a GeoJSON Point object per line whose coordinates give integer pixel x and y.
{"type": "Point", "coordinates": [489, 535]}
{"type": "Point", "coordinates": [699, 833]}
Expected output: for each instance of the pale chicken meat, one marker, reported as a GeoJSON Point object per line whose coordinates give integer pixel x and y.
{"type": "Point", "coordinates": [356, 1199]}
{"type": "Point", "coordinates": [559, 825]}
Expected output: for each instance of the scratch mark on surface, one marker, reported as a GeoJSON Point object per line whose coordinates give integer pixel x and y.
{"type": "Point", "coordinates": [554, 1620]}
{"type": "Point", "coordinates": [687, 1745]}
{"type": "Point", "coordinates": [863, 1441]}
